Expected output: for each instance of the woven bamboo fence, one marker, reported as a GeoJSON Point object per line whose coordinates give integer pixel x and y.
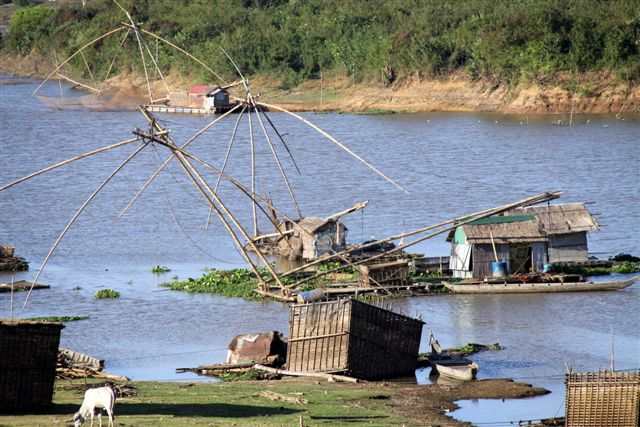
{"type": "Point", "coordinates": [351, 336]}
{"type": "Point", "coordinates": [603, 399]}
{"type": "Point", "coordinates": [28, 355]}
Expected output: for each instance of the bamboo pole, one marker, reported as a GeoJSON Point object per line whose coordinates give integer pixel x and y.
{"type": "Point", "coordinates": [155, 63]}
{"type": "Point", "coordinates": [113, 61]}
{"type": "Point", "coordinates": [264, 113]}
{"type": "Point", "coordinates": [55, 58]}
{"type": "Point", "coordinates": [253, 178]}
{"type": "Point", "coordinates": [217, 199]}
{"type": "Point", "coordinates": [75, 217]}
{"type": "Point", "coordinates": [226, 159]}
{"type": "Point", "coordinates": [164, 164]}
{"type": "Point", "coordinates": [86, 64]}
{"type": "Point", "coordinates": [186, 53]}
{"type": "Point", "coordinates": [458, 221]}
{"type": "Point", "coordinates": [275, 156]}
{"type": "Point", "coordinates": [57, 165]}
{"type": "Point", "coordinates": [335, 141]}
{"type": "Point", "coordinates": [76, 53]}
{"type": "Point", "coordinates": [77, 83]}
{"type": "Point", "coordinates": [493, 244]}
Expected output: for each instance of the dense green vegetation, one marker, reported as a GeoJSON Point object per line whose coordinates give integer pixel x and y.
{"type": "Point", "coordinates": [377, 39]}
{"type": "Point", "coordinates": [107, 293]}
{"type": "Point", "coordinates": [623, 268]}
{"type": "Point", "coordinates": [240, 282]}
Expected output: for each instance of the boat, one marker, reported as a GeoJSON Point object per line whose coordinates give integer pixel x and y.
{"type": "Point", "coordinates": [535, 287]}
{"type": "Point", "coordinates": [462, 370]}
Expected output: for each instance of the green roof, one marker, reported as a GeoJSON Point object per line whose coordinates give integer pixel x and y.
{"type": "Point", "coordinates": [503, 219]}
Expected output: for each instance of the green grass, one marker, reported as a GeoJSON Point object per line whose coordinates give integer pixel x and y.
{"type": "Point", "coordinates": [225, 404]}
{"type": "Point", "coordinates": [57, 318]}
{"type": "Point", "coordinates": [107, 293]}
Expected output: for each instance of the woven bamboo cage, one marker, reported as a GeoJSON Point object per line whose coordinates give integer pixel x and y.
{"type": "Point", "coordinates": [603, 399]}
{"type": "Point", "coordinates": [28, 355]}
{"type": "Point", "coordinates": [351, 336]}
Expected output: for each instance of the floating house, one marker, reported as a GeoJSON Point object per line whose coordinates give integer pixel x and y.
{"type": "Point", "coordinates": [197, 99]}
{"type": "Point", "coordinates": [311, 237]}
{"type": "Point", "coordinates": [526, 238]}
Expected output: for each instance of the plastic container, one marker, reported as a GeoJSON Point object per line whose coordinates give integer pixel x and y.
{"type": "Point", "coordinates": [310, 296]}
{"type": "Point", "coordinates": [500, 268]}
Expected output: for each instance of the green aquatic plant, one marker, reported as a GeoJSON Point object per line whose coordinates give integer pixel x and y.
{"type": "Point", "coordinates": [160, 269]}
{"type": "Point", "coordinates": [107, 293]}
{"type": "Point", "coordinates": [239, 282]}
{"type": "Point", "coordinates": [250, 375]}
{"type": "Point", "coordinates": [626, 267]}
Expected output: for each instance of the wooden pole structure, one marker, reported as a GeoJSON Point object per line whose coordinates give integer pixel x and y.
{"type": "Point", "coordinates": [224, 163]}
{"type": "Point", "coordinates": [113, 61]}
{"type": "Point", "coordinates": [456, 221]}
{"type": "Point", "coordinates": [335, 141]}
{"type": "Point", "coordinates": [77, 214]}
{"type": "Point", "coordinates": [253, 178]}
{"type": "Point", "coordinates": [166, 162]}
{"type": "Point", "coordinates": [70, 80]}
{"type": "Point", "coordinates": [277, 159]}
{"type": "Point", "coordinates": [186, 53]}
{"type": "Point", "coordinates": [191, 170]}
{"type": "Point", "coordinates": [264, 113]}
{"type": "Point", "coordinates": [493, 245]}
{"type": "Point", "coordinates": [76, 53]}
{"type": "Point", "coordinates": [155, 63]}
{"type": "Point", "coordinates": [86, 64]}
{"type": "Point", "coordinates": [55, 58]}
{"type": "Point", "coordinates": [73, 159]}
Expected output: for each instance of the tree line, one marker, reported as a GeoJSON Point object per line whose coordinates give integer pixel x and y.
{"type": "Point", "coordinates": [296, 40]}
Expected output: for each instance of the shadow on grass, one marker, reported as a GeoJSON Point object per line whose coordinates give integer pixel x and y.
{"type": "Point", "coordinates": [224, 410]}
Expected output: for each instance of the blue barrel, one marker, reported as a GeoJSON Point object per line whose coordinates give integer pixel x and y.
{"type": "Point", "coordinates": [310, 296]}
{"type": "Point", "coordinates": [546, 268]}
{"type": "Point", "coordinates": [500, 268]}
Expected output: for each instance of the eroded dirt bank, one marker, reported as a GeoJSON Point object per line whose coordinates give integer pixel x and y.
{"type": "Point", "coordinates": [589, 93]}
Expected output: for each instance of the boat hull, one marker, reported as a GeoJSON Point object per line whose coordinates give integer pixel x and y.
{"type": "Point", "coordinates": [505, 288]}
{"type": "Point", "coordinates": [458, 372]}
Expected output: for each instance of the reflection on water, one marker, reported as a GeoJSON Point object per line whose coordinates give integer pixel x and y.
{"type": "Point", "coordinates": [452, 164]}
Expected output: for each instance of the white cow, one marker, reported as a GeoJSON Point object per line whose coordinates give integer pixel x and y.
{"type": "Point", "coordinates": [96, 398]}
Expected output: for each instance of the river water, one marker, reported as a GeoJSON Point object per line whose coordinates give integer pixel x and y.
{"type": "Point", "coordinates": [452, 164]}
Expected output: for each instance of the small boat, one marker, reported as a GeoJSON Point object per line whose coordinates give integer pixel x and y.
{"type": "Point", "coordinates": [20, 285]}
{"type": "Point", "coordinates": [463, 370]}
{"type": "Point", "coordinates": [534, 287]}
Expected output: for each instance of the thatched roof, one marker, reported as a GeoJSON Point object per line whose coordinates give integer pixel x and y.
{"type": "Point", "coordinates": [561, 219]}
{"type": "Point", "coordinates": [506, 232]}
{"type": "Point", "coordinates": [543, 221]}
{"type": "Point", "coordinates": [312, 223]}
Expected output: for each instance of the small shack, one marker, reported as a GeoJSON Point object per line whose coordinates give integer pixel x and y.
{"type": "Point", "coordinates": [311, 237]}
{"type": "Point", "coordinates": [526, 238]}
{"type": "Point", "coordinates": [28, 357]}
{"type": "Point", "coordinates": [363, 340]}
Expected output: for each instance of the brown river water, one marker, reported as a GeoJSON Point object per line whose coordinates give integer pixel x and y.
{"type": "Point", "coordinates": [451, 163]}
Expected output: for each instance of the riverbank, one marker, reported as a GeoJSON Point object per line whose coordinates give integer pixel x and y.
{"type": "Point", "coordinates": [593, 93]}
{"type": "Point", "coordinates": [245, 403]}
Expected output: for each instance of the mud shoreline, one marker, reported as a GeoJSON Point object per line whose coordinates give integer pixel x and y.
{"type": "Point", "coordinates": [592, 93]}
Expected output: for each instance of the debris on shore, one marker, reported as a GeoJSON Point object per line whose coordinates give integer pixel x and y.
{"type": "Point", "coordinates": [9, 262]}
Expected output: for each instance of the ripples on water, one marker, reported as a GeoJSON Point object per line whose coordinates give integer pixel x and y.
{"type": "Point", "coordinates": [452, 164]}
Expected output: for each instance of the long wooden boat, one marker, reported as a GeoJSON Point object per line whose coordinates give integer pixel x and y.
{"type": "Point", "coordinates": [505, 288]}
{"type": "Point", "coordinates": [462, 372]}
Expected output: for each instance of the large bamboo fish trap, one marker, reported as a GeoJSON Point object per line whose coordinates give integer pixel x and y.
{"type": "Point", "coordinates": [351, 336]}
{"type": "Point", "coordinates": [392, 274]}
{"type": "Point", "coordinates": [28, 356]}
{"type": "Point", "coordinates": [603, 399]}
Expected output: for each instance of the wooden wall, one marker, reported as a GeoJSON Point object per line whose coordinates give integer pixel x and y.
{"type": "Point", "coordinates": [568, 247]}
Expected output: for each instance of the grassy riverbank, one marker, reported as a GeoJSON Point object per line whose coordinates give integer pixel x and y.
{"type": "Point", "coordinates": [243, 404]}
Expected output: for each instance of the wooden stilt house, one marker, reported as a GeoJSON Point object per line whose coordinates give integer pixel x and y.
{"type": "Point", "coordinates": [526, 238]}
